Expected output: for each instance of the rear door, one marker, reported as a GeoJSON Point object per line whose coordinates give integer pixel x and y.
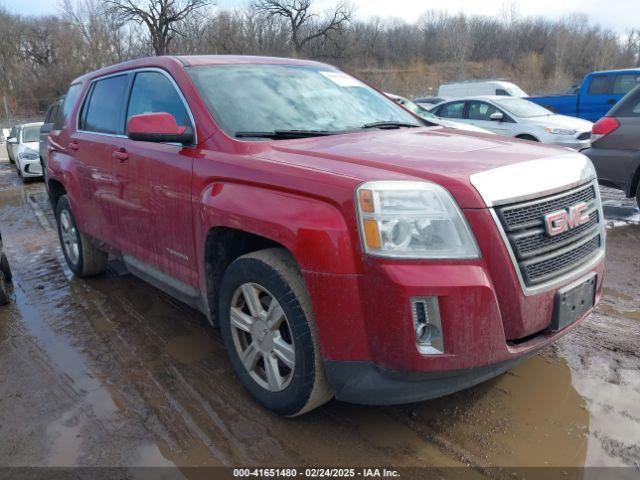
{"type": "Point", "coordinates": [452, 110]}
{"type": "Point", "coordinates": [154, 217]}
{"type": "Point", "coordinates": [100, 125]}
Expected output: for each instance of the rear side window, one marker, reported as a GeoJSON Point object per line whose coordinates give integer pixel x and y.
{"type": "Point", "coordinates": [599, 85]}
{"type": "Point", "coordinates": [102, 111]}
{"type": "Point", "coordinates": [153, 92]}
{"type": "Point", "coordinates": [67, 105]}
{"type": "Point", "coordinates": [452, 110]}
{"type": "Point", "coordinates": [629, 106]}
{"type": "Point", "coordinates": [623, 84]}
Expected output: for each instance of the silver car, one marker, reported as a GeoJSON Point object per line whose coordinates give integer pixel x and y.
{"type": "Point", "coordinates": [519, 118]}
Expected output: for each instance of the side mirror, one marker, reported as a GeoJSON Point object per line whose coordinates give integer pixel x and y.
{"type": "Point", "coordinates": [12, 140]}
{"type": "Point", "coordinates": [497, 117]}
{"type": "Point", "coordinates": [46, 128]}
{"type": "Point", "coordinates": [159, 128]}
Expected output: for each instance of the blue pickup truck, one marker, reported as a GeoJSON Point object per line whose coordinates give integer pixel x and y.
{"type": "Point", "coordinates": [598, 93]}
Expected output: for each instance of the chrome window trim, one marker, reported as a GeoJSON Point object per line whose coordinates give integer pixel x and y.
{"type": "Point", "coordinates": [127, 72]}
{"type": "Point", "coordinates": [537, 178]}
{"type": "Point", "coordinates": [567, 277]}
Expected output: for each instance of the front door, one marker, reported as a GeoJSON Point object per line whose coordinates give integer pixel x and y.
{"type": "Point", "coordinates": [479, 114]}
{"type": "Point", "coordinates": [154, 185]}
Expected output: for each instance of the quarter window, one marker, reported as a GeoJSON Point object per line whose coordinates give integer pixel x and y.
{"type": "Point", "coordinates": [599, 85]}
{"type": "Point", "coordinates": [153, 92]}
{"type": "Point", "coordinates": [452, 110]}
{"type": "Point", "coordinates": [67, 104]}
{"type": "Point", "coordinates": [103, 111]}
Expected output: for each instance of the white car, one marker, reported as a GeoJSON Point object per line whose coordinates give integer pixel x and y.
{"type": "Point", "coordinates": [519, 118]}
{"type": "Point", "coordinates": [430, 117]}
{"type": "Point", "coordinates": [24, 146]}
{"type": "Point", "coordinates": [480, 87]}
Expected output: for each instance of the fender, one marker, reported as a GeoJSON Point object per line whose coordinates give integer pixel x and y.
{"type": "Point", "coordinates": [315, 232]}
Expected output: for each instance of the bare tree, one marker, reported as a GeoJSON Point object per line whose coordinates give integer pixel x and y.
{"type": "Point", "coordinates": [160, 16]}
{"type": "Point", "coordinates": [304, 25]}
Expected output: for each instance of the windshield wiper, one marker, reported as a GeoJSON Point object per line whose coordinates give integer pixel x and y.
{"type": "Point", "coordinates": [389, 124]}
{"type": "Point", "coordinates": [285, 134]}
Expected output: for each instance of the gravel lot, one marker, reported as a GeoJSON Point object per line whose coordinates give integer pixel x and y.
{"type": "Point", "coordinates": [109, 371]}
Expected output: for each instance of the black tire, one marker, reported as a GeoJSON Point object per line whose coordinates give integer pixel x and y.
{"type": "Point", "coordinates": [4, 294]}
{"type": "Point", "coordinates": [90, 259]}
{"type": "Point", "coordinates": [5, 268]}
{"type": "Point", "coordinates": [11, 160]}
{"type": "Point", "coordinates": [528, 137]}
{"type": "Point", "coordinates": [276, 271]}
{"type": "Point", "coordinates": [638, 196]}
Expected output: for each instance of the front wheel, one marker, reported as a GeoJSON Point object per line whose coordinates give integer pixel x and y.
{"type": "Point", "coordinates": [269, 331]}
{"type": "Point", "coordinates": [4, 293]}
{"type": "Point", "coordinates": [83, 258]}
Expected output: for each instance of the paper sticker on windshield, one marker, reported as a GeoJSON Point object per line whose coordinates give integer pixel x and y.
{"type": "Point", "coordinates": [342, 79]}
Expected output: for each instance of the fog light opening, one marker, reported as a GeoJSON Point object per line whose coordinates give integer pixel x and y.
{"type": "Point", "coordinates": [427, 325]}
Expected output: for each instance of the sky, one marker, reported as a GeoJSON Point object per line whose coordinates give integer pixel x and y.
{"type": "Point", "coordinates": [617, 15]}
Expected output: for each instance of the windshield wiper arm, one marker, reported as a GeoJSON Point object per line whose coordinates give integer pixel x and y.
{"type": "Point", "coordinates": [389, 124]}
{"type": "Point", "coordinates": [284, 134]}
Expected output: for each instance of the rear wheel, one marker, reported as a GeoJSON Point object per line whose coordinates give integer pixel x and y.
{"type": "Point", "coordinates": [84, 258]}
{"type": "Point", "coordinates": [5, 268]}
{"type": "Point", "coordinates": [270, 334]}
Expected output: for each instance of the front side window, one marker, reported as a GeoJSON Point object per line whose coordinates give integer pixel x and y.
{"type": "Point", "coordinates": [102, 112]}
{"type": "Point", "coordinates": [153, 92]}
{"type": "Point", "coordinates": [452, 110]}
{"type": "Point", "coordinates": [30, 133]}
{"type": "Point", "coordinates": [481, 111]}
{"type": "Point", "coordinates": [599, 85]}
{"type": "Point", "coordinates": [267, 98]}
{"type": "Point", "coordinates": [623, 84]}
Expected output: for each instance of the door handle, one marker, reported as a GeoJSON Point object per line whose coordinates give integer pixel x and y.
{"type": "Point", "coordinates": [121, 154]}
{"type": "Point", "coordinates": [73, 145]}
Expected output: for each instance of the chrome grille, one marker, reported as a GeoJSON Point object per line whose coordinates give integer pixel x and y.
{"type": "Point", "coordinates": [541, 257]}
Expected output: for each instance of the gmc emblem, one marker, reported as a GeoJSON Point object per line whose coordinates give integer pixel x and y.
{"type": "Point", "coordinates": [566, 219]}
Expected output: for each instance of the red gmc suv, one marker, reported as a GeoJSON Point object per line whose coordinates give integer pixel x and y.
{"type": "Point", "coordinates": [345, 248]}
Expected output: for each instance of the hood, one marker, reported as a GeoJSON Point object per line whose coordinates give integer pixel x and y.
{"type": "Point", "coordinates": [562, 121]}
{"type": "Point", "coordinates": [32, 146]}
{"type": "Point", "coordinates": [460, 126]}
{"type": "Point", "coordinates": [444, 156]}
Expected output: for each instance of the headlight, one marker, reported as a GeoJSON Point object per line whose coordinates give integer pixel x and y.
{"type": "Point", "coordinates": [412, 220]}
{"type": "Point", "coordinates": [28, 155]}
{"type": "Point", "coordinates": [560, 131]}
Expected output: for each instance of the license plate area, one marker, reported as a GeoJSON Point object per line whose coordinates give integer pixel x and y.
{"type": "Point", "coordinates": [573, 301]}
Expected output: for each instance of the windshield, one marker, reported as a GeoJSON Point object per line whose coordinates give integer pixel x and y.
{"type": "Point", "coordinates": [522, 108]}
{"type": "Point", "coordinates": [267, 98]}
{"type": "Point", "coordinates": [30, 134]}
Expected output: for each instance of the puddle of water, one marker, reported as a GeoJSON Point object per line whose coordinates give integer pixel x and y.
{"type": "Point", "coordinates": [610, 292]}
{"type": "Point", "coordinates": [611, 310]}
{"type": "Point", "coordinates": [188, 349]}
{"type": "Point", "coordinates": [531, 416]}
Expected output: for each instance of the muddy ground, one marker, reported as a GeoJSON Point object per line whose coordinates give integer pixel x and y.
{"type": "Point", "coordinates": [109, 371]}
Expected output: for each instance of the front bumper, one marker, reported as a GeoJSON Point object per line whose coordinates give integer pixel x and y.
{"type": "Point", "coordinates": [367, 384]}
{"type": "Point", "coordinates": [569, 142]}
{"type": "Point", "coordinates": [31, 168]}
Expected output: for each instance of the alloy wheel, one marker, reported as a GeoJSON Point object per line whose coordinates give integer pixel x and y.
{"type": "Point", "coordinates": [262, 337]}
{"type": "Point", "coordinates": [69, 236]}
